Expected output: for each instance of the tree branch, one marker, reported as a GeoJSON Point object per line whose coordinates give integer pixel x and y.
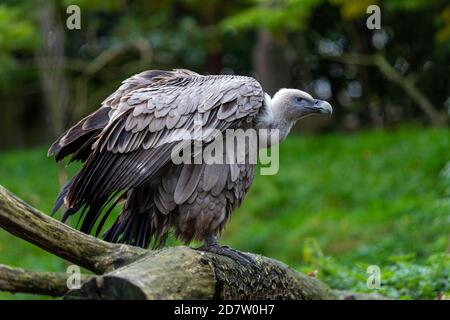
{"type": "Point", "coordinates": [47, 283]}
{"type": "Point", "coordinates": [26, 222]}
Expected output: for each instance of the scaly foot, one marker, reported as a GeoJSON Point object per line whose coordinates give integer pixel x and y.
{"type": "Point", "coordinates": [211, 245]}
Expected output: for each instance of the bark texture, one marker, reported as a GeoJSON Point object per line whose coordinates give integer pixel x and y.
{"type": "Point", "coordinates": [185, 273]}
{"type": "Point", "coordinates": [45, 283]}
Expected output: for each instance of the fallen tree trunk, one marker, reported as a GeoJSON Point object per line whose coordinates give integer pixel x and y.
{"type": "Point", "coordinates": [128, 272]}
{"type": "Point", "coordinates": [185, 273]}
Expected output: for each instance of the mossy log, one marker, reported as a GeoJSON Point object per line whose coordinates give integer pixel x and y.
{"type": "Point", "coordinates": [185, 273]}
{"type": "Point", "coordinates": [126, 272]}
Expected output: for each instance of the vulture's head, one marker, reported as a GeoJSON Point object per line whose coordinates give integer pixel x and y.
{"type": "Point", "coordinates": [295, 104]}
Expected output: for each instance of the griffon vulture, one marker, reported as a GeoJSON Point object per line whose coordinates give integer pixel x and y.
{"type": "Point", "coordinates": [126, 148]}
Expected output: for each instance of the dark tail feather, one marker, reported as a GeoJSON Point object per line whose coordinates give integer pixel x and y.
{"type": "Point", "coordinates": [106, 215]}
{"type": "Point", "coordinates": [60, 198]}
{"type": "Point", "coordinates": [138, 228]}
{"type": "Point", "coordinates": [130, 228]}
{"type": "Point", "coordinates": [68, 213]}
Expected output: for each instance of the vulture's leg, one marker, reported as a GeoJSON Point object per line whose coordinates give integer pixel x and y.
{"type": "Point", "coordinates": [211, 245]}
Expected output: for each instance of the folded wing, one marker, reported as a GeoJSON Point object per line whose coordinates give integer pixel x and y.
{"type": "Point", "coordinates": [129, 140]}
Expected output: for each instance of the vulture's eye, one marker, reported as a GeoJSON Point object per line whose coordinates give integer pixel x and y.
{"type": "Point", "coordinates": [299, 99]}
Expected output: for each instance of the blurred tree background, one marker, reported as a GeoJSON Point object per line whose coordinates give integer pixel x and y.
{"type": "Point", "coordinates": [51, 76]}
{"type": "Point", "coordinates": [381, 160]}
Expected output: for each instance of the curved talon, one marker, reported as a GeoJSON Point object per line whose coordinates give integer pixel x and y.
{"type": "Point", "coordinates": [226, 251]}
{"type": "Point", "coordinates": [211, 245]}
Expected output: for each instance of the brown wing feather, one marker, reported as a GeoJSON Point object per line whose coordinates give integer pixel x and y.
{"type": "Point", "coordinates": [82, 135]}
{"type": "Point", "coordinates": [135, 145]}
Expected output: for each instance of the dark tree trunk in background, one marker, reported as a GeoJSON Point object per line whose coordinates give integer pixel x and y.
{"type": "Point", "coordinates": [300, 70]}
{"type": "Point", "coordinates": [51, 62]}
{"type": "Point", "coordinates": [272, 69]}
{"type": "Point", "coordinates": [370, 103]}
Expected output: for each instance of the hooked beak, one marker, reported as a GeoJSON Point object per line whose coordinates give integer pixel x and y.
{"type": "Point", "coordinates": [321, 106]}
{"type": "Point", "coordinates": [315, 106]}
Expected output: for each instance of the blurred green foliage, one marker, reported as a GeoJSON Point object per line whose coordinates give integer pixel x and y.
{"type": "Point", "coordinates": [21, 38]}
{"type": "Point", "coordinates": [273, 15]}
{"type": "Point", "coordinates": [339, 203]}
{"type": "Point", "coordinates": [402, 277]}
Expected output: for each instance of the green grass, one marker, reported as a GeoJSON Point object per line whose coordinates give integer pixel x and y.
{"type": "Point", "coordinates": [339, 203]}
